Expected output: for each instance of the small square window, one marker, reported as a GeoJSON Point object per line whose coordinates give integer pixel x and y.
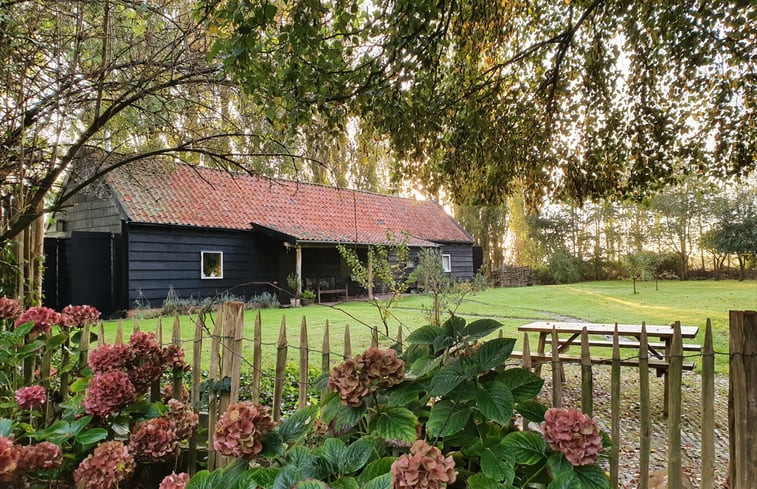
{"type": "Point", "coordinates": [447, 263]}
{"type": "Point", "coordinates": [410, 263]}
{"type": "Point", "coordinates": [211, 264]}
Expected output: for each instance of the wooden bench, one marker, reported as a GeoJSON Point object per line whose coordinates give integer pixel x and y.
{"type": "Point", "coordinates": [628, 337]}
{"type": "Point", "coordinates": [340, 293]}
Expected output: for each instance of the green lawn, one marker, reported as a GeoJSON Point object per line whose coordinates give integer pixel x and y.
{"type": "Point", "coordinates": [691, 303]}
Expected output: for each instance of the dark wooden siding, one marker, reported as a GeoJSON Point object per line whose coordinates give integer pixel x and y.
{"type": "Point", "coordinates": [461, 257]}
{"type": "Point", "coordinates": [100, 215]}
{"type": "Point", "coordinates": [161, 257]}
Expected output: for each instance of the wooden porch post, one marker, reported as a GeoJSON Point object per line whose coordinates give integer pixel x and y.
{"type": "Point", "coordinates": [298, 269]}
{"type": "Point", "coordinates": [370, 275]}
{"type": "Point", "coordinates": [742, 399]}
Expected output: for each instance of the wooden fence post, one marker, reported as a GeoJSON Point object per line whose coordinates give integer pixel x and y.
{"type": "Point", "coordinates": [178, 374]}
{"type": "Point", "coordinates": [195, 392]}
{"type": "Point", "coordinates": [302, 402]}
{"type": "Point", "coordinates": [587, 378]}
{"type": "Point", "coordinates": [213, 369]}
{"type": "Point", "coordinates": [615, 409]}
{"type": "Point", "coordinates": [556, 371]}
{"type": "Point", "coordinates": [347, 342]}
{"type": "Point", "coordinates": [708, 409]}
{"type": "Point", "coordinates": [400, 339]}
{"type": "Point", "coordinates": [257, 361]}
{"type": "Point", "coordinates": [100, 333]}
{"type": "Point", "coordinates": [119, 333]}
{"type": "Point", "coordinates": [645, 420]}
{"type": "Point", "coordinates": [374, 337]}
{"type": "Point", "coordinates": [325, 355]}
{"type": "Point", "coordinates": [155, 393]}
{"type": "Point", "coordinates": [675, 371]}
{"type": "Point", "coordinates": [231, 356]}
{"type": "Point", "coordinates": [526, 358]}
{"type": "Point", "coordinates": [742, 399]}
{"type": "Point", "coordinates": [281, 359]}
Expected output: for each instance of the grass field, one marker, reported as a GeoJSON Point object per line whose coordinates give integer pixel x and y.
{"type": "Point", "coordinates": [691, 303]}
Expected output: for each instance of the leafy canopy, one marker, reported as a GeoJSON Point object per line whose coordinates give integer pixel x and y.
{"type": "Point", "coordinates": [577, 99]}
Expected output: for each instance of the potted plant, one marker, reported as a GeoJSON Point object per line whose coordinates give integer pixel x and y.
{"type": "Point", "coordinates": [293, 281]}
{"type": "Point", "coordinates": [308, 297]}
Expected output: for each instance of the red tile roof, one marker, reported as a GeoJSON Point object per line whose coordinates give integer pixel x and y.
{"type": "Point", "coordinates": [159, 193]}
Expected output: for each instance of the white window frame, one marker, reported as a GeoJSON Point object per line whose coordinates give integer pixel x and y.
{"type": "Point", "coordinates": [202, 265]}
{"type": "Point", "coordinates": [447, 258]}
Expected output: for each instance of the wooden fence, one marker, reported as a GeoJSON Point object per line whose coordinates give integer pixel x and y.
{"type": "Point", "coordinates": [226, 355]}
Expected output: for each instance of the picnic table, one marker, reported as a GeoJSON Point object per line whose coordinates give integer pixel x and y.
{"type": "Point", "coordinates": [569, 333]}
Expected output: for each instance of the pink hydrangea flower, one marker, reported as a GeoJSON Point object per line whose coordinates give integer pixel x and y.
{"type": "Point", "coordinates": [42, 317]}
{"type": "Point", "coordinates": [108, 357]}
{"type": "Point", "coordinates": [574, 434]}
{"type": "Point", "coordinates": [183, 418]}
{"type": "Point", "coordinates": [31, 397]}
{"type": "Point", "coordinates": [9, 308]}
{"type": "Point", "coordinates": [365, 373]}
{"type": "Point", "coordinates": [42, 456]}
{"type": "Point", "coordinates": [154, 440]}
{"type": "Point", "coordinates": [173, 358]}
{"type": "Point", "coordinates": [423, 468]}
{"type": "Point", "coordinates": [240, 431]}
{"type": "Point", "coordinates": [110, 464]}
{"type": "Point", "coordinates": [175, 481]}
{"type": "Point", "coordinates": [146, 361]}
{"type": "Point", "coordinates": [107, 392]}
{"type": "Point", "coordinates": [78, 316]}
{"type": "Point", "coordinates": [8, 457]}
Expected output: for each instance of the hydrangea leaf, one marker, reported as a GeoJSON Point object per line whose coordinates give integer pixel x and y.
{"type": "Point", "coordinates": [565, 480]}
{"type": "Point", "coordinates": [495, 401]}
{"type": "Point", "coordinates": [6, 427]}
{"type": "Point", "coordinates": [396, 423]}
{"type": "Point", "coordinates": [496, 463]}
{"type": "Point", "coordinates": [344, 483]}
{"type": "Point", "coordinates": [380, 482]}
{"type": "Point", "coordinates": [531, 410]}
{"type": "Point", "coordinates": [91, 436]}
{"type": "Point", "coordinates": [493, 353]}
{"type": "Point", "coordinates": [481, 481]}
{"type": "Point", "coordinates": [260, 477]}
{"type": "Point", "coordinates": [525, 447]}
{"type": "Point", "coordinates": [425, 335]}
{"type": "Point", "coordinates": [310, 484]}
{"type": "Point", "coordinates": [424, 365]}
{"type": "Point", "coordinates": [447, 379]}
{"type": "Point", "coordinates": [273, 445]}
{"type": "Point", "coordinates": [447, 418]}
{"type": "Point", "coordinates": [558, 464]}
{"type": "Point", "coordinates": [375, 469]}
{"type": "Point", "coordinates": [592, 477]}
{"type": "Point", "coordinates": [404, 394]}
{"type": "Point", "coordinates": [297, 424]}
{"type": "Point", "coordinates": [356, 456]}
{"type": "Point", "coordinates": [481, 327]}
{"type": "Point", "coordinates": [523, 384]}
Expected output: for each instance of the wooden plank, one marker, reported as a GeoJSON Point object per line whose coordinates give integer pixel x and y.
{"type": "Point", "coordinates": [119, 333]}
{"type": "Point", "coordinates": [281, 358]}
{"type": "Point", "coordinates": [374, 337]}
{"type": "Point", "coordinates": [615, 413]}
{"type": "Point", "coordinates": [587, 378]}
{"type": "Point", "coordinates": [674, 411]}
{"type": "Point", "coordinates": [631, 344]}
{"type": "Point", "coordinates": [213, 370]}
{"type": "Point", "coordinates": [302, 401]}
{"type": "Point", "coordinates": [347, 342]}
{"type": "Point", "coordinates": [100, 333]}
{"type": "Point", "coordinates": [155, 393]}
{"type": "Point", "coordinates": [657, 331]}
{"type": "Point", "coordinates": [257, 361]}
{"type": "Point", "coordinates": [556, 375]}
{"type": "Point", "coordinates": [526, 356]}
{"type": "Point", "coordinates": [625, 362]}
{"type": "Point", "coordinates": [159, 331]}
{"type": "Point", "coordinates": [195, 392]}
{"type": "Point", "coordinates": [325, 355]}
{"type": "Point", "coordinates": [178, 374]}
{"type": "Point", "coordinates": [645, 419]}
{"type": "Point", "coordinates": [742, 399]}
{"type": "Point", "coordinates": [236, 318]}
{"type": "Point", "coordinates": [708, 409]}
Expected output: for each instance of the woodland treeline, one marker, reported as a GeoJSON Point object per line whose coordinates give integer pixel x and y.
{"type": "Point", "coordinates": [496, 108]}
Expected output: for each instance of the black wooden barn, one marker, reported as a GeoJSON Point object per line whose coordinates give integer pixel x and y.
{"type": "Point", "coordinates": [152, 226]}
